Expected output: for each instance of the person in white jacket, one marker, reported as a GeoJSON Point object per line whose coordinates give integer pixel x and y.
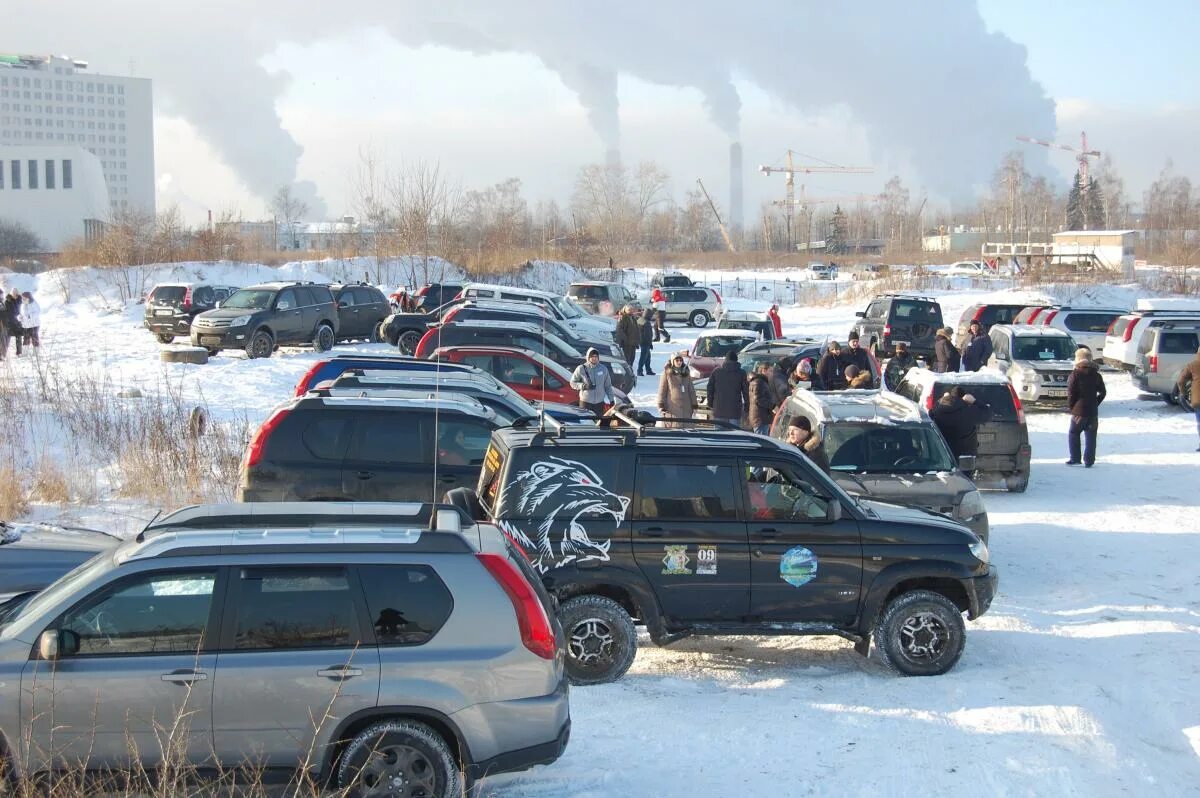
{"type": "Point", "coordinates": [30, 318]}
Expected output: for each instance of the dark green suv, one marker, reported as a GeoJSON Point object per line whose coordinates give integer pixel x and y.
{"type": "Point", "coordinates": [715, 532]}
{"type": "Point", "coordinates": [263, 317]}
{"type": "Point", "coordinates": [894, 318]}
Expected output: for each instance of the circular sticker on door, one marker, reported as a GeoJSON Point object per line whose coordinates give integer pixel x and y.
{"type": "Point", "coordinates": [798, 566]}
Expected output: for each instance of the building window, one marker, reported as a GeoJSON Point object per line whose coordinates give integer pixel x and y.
{"type": "Point", "coordinates": [16, 174]}
{"type": "Point", "coordinates": [33, 174]}
{"type": "Point", "coordinates": [66, 174]}
{"type": "Point", "coordinates": [49, 174]}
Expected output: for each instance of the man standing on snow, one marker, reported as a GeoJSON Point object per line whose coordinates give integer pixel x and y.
{"type": "Point", "coordinates": [659, 302]}
{"type": "Point", "coordinates": [594, 383]}
{"type": "Point", "coordinates": [855, 355]}
{"type": "Point", "coordinates": [946, 358]}
{"type": "Point", "coordinates": [1085, 392]}
{"type": "Point", "coordinates": [628, 335]}
{"type": "Point", "coordinates": [776, 322]}
{"type": "Point", "coordinates": [762, 403]}
{"type": "Point", "coordinates": [30, 320]}
{"type": "Point", "coordinates": [728, 395]}
{"type": "Point", "coordinates": [646, 330]}
{"type": "Point", "coordinates": [898, 365]}
{"type": "Point", "coordinates": [977, 349]}
{"type": "Point", "coordinates": [829, 368]}
{"type": "Point", "coordinates": [1192, 372]}
{"type": "Point", "coordinates": [958, 415]}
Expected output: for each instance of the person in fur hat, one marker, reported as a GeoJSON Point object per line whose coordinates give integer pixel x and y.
{"type": "Point", "coordinates": [1085, 393]}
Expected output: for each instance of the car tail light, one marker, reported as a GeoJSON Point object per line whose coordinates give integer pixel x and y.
{"type": "Point", "coordinates": [187, 298]}
{"type": "Point", "coordinates": [887, 330]}
{"type": "Point", "coordinates": [425, 345]}
{"type": "Point", "coordinates": [1128, 332]}
{"type": "Point", "coordinates": [929, 401]}
{"type": "Point", "coordinates": [1154, 364]}
{"type": "Point", "coordinates": [537, 634]}
{"type": "Point", "coordinates": [254, 452]}
{"type": "Point", "coordinates": [446, 319]}
{"type": "Point", "coordinates": [717, 294]}
{"type": "Point", "coordinates": [424, 290]}
{"type": "Point", "coordinates": [1049, 317]}
{"type": "Point", "coordinates": [978, 314]}
{"type": "Point", "coordinates": [1112, 324]}
{"type": "Point", "coordinates": [1033, 316]}
{"type": "Point", "coordinates": [307, 379]}
{"type": "Point", "coordinates": [1017, 404]}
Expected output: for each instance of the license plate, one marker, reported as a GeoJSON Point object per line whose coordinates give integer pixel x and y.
{"type": "Point", "coordinates": [1056, 392]}
{"type": "Point", "coordinates": [164, 312]}
{"type": "Point", "coordinates": [210, 340]}
{"type": "Point", "coordinates": [906, 343]}
{"type": "Point", "coordinates": [987, 437]}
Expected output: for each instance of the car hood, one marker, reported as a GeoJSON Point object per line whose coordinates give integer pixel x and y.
{"type": "Point", "coordinates": [592, 325]}
{"type": "Point", "coordinates": [228, 313]}
{"type": "Point", "coordinates": [890, 513]}
{"type": "Point", "coordinates": [40, 556]}
{"type": "Point", "coordinates": [932, 489]}
{"type": "Point", "coordinates": [1047, 365]}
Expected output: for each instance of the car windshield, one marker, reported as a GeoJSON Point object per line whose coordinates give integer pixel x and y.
{"type": "Point", "coordinates": [250, 299]}
{"type": "Point", "coordinates": [719, 345]}
{"type": "Point", "coordinates": [743, 324]}
{"type": "Point", "coordinates": [878, 449]}
{"type": "Point", "coordinates": [567, 307]}
{"type": "Point", "coordinates": [1043, 348]}
{"type": "Point", "coordinates": [587, 292]}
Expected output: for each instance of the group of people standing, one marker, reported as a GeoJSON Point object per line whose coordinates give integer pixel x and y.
{"type": "Point", "coordinates": [20, 321]}
{"type": "Point", "coordinates": [637, 333]}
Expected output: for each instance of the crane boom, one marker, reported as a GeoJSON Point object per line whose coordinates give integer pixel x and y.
{"type": "Point", "coordinates": [791, 170]}
{"type": "Point", "coordinates": [720, 224]}
{"type": "Point", "coordinates": [1082, 153]}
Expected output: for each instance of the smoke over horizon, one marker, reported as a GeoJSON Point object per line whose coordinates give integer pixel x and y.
{"type": "Point", "coordinates": [936, 88]}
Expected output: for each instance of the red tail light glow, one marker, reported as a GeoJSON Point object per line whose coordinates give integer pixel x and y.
{"type": "Point", "coordinates": [1128, 331]}
{"type": "Point", "coordinates": [426, 344]}
{"type": "Point", "coordinates": [1154, 364]}
{"type": "Point", "coordinates": [978, 314]}
{"type": "Point", "coordinates": [1033, 316]}
{"type": "Point", "coordinates": [446, 319]}
{"type": "Point", "coordinates": [1049, 317]}
{"type": "Point", "coordinates": [307, 379]}
{"type": "Point", "coordinates": [1017, 404]}
{"type": "Point", "coordinates": [255, 451]}
{"type": "Point", "coordinates": [187, 298]}
{"type": "Point", "coordinates": [537, 634]}
{"type": "Point", "coordinates": [718, 296]}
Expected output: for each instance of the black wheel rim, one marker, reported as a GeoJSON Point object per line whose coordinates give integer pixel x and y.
{"type": "Point", "coordinates": [325, 338]}
{"type": "Point", "coordinates": [398, 770]}
{"type": "Point", "coordinates": [924, 637]}
{"type": "Point", "coordinates": [261, 346]}
{"type": "Point", "coordinates": [409, 341]}
{"type": "Point", "coordinates": [592, 644]}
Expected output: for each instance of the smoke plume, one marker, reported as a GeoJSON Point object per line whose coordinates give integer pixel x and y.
{"type": "Point", "coordinates": [928, 83]}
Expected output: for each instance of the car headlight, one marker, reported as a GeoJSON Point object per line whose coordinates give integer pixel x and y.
{"type": "Point", "coordinates": [620, 368]}
{"type": "Point", "coordinates": [240, 321]}
{"type": "Point", "coordinates": [971, 505]}
{"type": "Point", "coordinates": [695, 375]}
{"type": "Point", "coordinates": [1029, 375]}
{"type": "Point", "coordinates": [979, 551]}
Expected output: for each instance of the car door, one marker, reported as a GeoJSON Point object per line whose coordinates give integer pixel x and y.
{"type": "Point", "coordinates": [349, 315]}
{"type": "Point", "coordinates": [289, 316]}
{"type": "Point", "coordinates": [390, 456]}
{"type": "Point", "coordinates": [688, 538]}
{"type": "Point", "coordinates": [373, 309]}
{"type": "Point", "coordinates": [295, 660]}
{"type": "Point", "coordinates": [142, 666]}
{"type": "Point", "coordinates": [804, 566]}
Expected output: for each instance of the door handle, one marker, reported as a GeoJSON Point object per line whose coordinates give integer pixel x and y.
{"type": "Point", "coordinates": [365, 474]}
{"type": "Point", "coordinates": [340, 672]}
{"type": "Point", "coordinates": [184, 676]}
{"type": "Point", "coordinates": [770, 532]}
{"type": "Point", "coordinates": [653, 532]}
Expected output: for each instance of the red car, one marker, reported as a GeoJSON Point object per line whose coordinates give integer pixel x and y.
{"type": "Point", "coordinates": [533, 376]}
{"type": "Point", "coordinates": [712, 345]}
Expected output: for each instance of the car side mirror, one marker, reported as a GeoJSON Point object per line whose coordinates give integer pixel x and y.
{"type": "Point", "coordinates": [343, 304]}
{"type": "Point", "coordinates": [966, 462]}
{"type": "Point", "coordinates": [834, 511]}
{"type": "Point", "coordinates": [861, 314]}
{"type": "Point", "coordinates": [217, 304]}
{"type": "Point", "coordinates": [55, 644]}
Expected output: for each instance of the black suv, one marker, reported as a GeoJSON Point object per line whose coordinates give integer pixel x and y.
{"type": "Point", "coordinates": [262, 317]}
{"type": "Point", "coordinates": [170, 307]}
{"type": "Point", "coordinates": [360, 309]}
{"type": "Point", "coordinates": [706, 532]}
{"type": "Point", "coordinates": [364, 448]}
{"type": "Point", "coordinates": [435, 295]}
{"type": "Point", "coordinates": [892, 318]}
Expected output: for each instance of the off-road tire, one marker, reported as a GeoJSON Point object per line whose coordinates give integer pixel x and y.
{"type": "Point", "coordinates": [600, 627]}
{"type": "Point", "coordinates": [165, 338]}
{"type": "Point", "coordinates": [1185, 396]}
{"type": "Point", "coordinates": [904, 629]}
{"type": "Point", "coordinates": [377, 333]}
{"type": "Point", "coordinates": [699, 318]}
{"type": "Point", "coordinates": [324, 338]}
{"type": "Point", "coordinates": [1016, 483]}
{"type": "Point", "coordinates": [404, 749]}
{"type": "Point", "coordinates": [260, 344]}
{"type": "Point", "coordinates": [407, 342]}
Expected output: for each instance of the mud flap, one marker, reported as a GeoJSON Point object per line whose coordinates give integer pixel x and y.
{"type": "Point", "coordinates": [863, 646]}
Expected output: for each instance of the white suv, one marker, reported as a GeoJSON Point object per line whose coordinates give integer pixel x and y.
{"type": "Point", "coordinates": [563, 308]}
{"type": "Point", "coordinates": [1086, 325]}
{"type": "Point", "coordinates": [1123, 337]}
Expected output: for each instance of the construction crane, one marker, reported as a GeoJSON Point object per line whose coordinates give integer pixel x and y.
{"type": "Point", "coordinates": [804, 201]}
{"type": "Point", "coordinates": [791, 170]}
{"type": "Point", "coordinates": [1082, 153]}
{"type": "Point", "coordinates": [720, 224]}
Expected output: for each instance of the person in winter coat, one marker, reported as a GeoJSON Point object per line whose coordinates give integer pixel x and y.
{"type": "Point", "coordinates": [804, 376]}
{"type": "Point", "coordinates": [958, 415]}
{"type": "Point", "coordinates": [977, 349]}
{"type": "Point", "coordinates": [728, 395]}
{"type": "Point", "coordinates": [829, 368]}
{"type": "Point", "coordinates": [776, 322]}
{"type": "Point", "coordinates": [1192, 371]}
{"type": "Point", "coordinates": [594, 383]}
{"type": "Point", "coordinates": [800, 434]}
{"type": "Point", "coordinates": [856, 379]}
{"type": "Point", "coordinates": [628, 335]}
{"type": "Point", "coordinates": [1085, 392]}
{"type": "Point", "coordinates": [777, 377]}
{"type": "Point", "coordinates": [658, 301]}
{"type": "Point", "coordinates": [677, 392]}
{"type": "Point", "coordinates": [646, 330]}
{"type": "Point", "coordinates": [4, 333]}
{"type": "Point", "coordinates": [12, 314]}
{"type": "Point", "coordinates": [762, 403]}
{"type": "Point", "coordinates": [898, 365]}
{"type": "Point", "coordinates": [946, 358]}
{"type": "Point", "coordinates": [855, 355]}
{"type": "Point", "coordinates": [30, 320]}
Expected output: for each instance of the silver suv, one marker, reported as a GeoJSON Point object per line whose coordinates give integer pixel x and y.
{"type": "Point", "coordinates": [393, 648]}
{"type": "Point", "coordinates": [696, 305]}
{"type": "Point", "coordinates": [1162, 353]}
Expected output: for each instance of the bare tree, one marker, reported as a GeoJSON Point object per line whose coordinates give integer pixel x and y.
{"type": "Point", "coordinates": [17, 239]}
{"type": "Point", "coordinates": [290, 210]}
{"type": "Point", "coordinates": [426, 207]}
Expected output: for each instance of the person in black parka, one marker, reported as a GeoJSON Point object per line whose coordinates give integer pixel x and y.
{"type": "Point", "coordinates": [728, 394]}
{"type": "Point", "coordinates": [829, 368]}
{"type": "Point", "coordinates": [976, 349]}
{"type": "Point", "coordinates": [958, 415]}
{"type": "Point", "coordinates": [1085, 392]}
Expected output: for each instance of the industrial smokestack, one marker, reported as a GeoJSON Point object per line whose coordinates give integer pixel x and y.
{"type": "Point", "coordinates": [735, 187]}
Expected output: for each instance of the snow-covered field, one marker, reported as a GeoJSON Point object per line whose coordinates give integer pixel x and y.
{"type": "Point", "coordinates": [1081, 680]}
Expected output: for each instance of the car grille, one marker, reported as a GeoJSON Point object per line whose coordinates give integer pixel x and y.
{"type": "Point", "coordinates": [1055, 377]}
{"type": "Point", "coordinates": [212, 323]}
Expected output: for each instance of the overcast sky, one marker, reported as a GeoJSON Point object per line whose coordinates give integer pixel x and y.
{"type": "Point", "coordinates": [503, 89]}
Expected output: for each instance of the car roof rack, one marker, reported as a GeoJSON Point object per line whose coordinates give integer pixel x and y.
{"type": "Point", "coordinates": [904, 295]}
{"type": "Point", "coordinates": [630, 426]}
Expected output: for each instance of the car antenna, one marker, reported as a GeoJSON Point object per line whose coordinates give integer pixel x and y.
{"type": "Point", "coordinates": [141, 536]}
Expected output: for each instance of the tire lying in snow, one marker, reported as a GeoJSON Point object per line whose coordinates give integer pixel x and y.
{"type": "Point", "coordinates": [184, 354]}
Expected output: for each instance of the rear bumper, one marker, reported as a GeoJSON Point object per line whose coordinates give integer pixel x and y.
{"type": "Point", "coordinates": [980, 592]}
{"type": "Point", "coordinates": [523, 758]}
{"type": "Point", "coordinates": [1120, 365]}
{"type": "Point", "coordinates": [540, 726]}
{"type": "Point", "coordinates": [161, 325]}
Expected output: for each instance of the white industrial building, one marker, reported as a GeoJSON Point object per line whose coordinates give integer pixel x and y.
{"type": "Point", "coordinates": [1108, 249]}
{"type": "Point", "coordinates": [48, 101]}
{"type": "Point", "coordinates": [57, 192]}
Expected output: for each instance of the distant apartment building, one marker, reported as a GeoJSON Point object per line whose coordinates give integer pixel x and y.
{"type": "Point", "coordinates": [53, 101]}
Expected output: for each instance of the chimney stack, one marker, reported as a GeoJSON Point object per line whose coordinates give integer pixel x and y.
{"type": "Point", "coordinates": [735, 188]}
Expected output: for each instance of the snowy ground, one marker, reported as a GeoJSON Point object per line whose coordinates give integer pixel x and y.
{"type": "Point", "coordinates": [1081, 680]}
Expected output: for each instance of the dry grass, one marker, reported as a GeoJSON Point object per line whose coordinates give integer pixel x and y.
{"type": "Point", "coordinates": [50, 483]}
{"type": "Point", "coordinates": [14, 492]}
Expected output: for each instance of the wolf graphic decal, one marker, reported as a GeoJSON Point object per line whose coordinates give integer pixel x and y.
{"type": "Point", "coordinates": [557, 497]}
